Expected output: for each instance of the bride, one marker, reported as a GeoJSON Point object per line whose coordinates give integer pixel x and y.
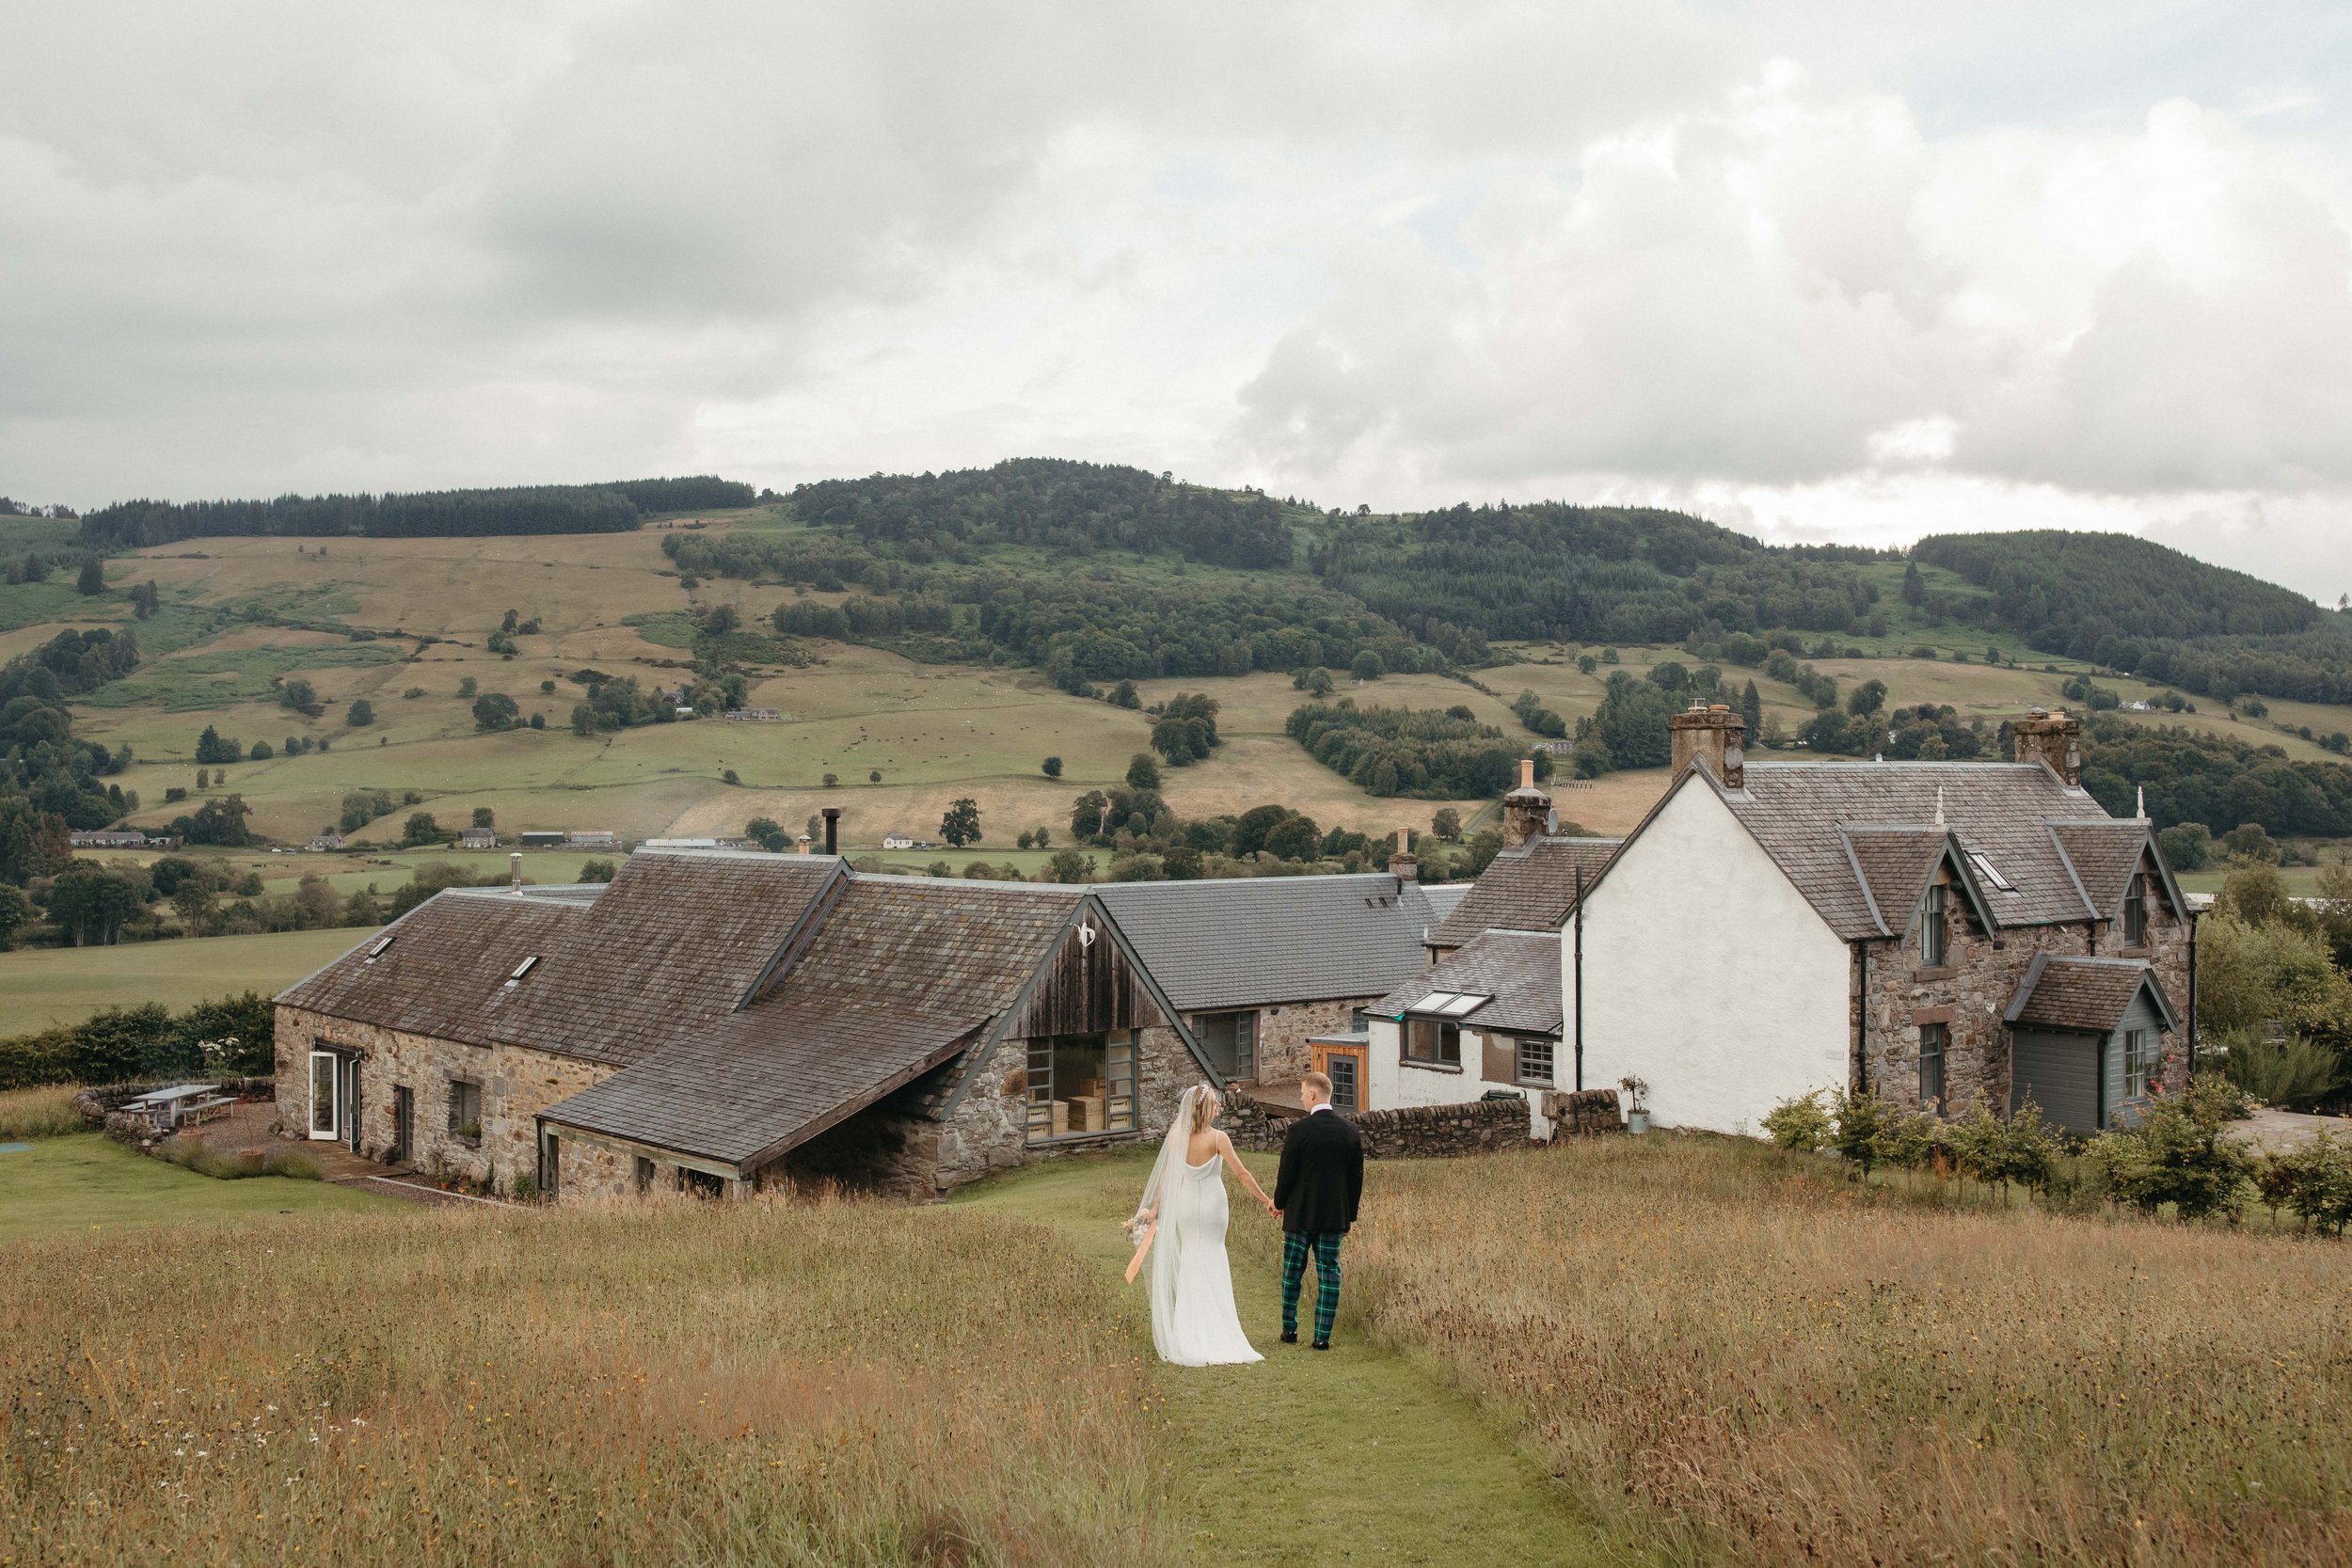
{"type": "Point", "coordinates": [1181, 1223]}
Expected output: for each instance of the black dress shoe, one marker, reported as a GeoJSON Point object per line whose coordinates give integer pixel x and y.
{"type": "Point", "coordinates": [1291, 1339]}
{"type": "Point", "coordinates": [1320, 1344]}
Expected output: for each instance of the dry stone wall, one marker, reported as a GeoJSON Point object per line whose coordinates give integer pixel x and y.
{"type": "Point", "coordinates": [1408, 1132]}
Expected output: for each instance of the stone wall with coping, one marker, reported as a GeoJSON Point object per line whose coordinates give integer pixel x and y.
{"type": "Point", "coordinates": [1409, 1133]}
{"type": "Point", "coordinates": [516, 1086]}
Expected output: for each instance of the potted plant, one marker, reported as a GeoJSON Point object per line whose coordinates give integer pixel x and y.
{"type": "Point", "coordinates": [1636, 1114]}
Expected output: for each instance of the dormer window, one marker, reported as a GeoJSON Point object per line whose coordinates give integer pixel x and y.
{"type": "Point", "coordinates": [2136, 910]}
{"type": "Point", "coordinates": [1935, 927]}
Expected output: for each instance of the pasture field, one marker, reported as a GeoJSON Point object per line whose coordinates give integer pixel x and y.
{"type": "Point", "coordinates": [39, 987]}
{"type": "Point", "coordinates": [424, 609]}
{"type": "Point", "coordinates": [88, 1187]}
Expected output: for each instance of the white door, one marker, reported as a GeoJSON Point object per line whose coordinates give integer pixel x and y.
{"type": "Point", "coordinates": [326, 1083]}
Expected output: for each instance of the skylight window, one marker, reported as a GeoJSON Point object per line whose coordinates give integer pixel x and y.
{"type": "Point", "coordinates": [1986, 871]}
{"type": "Point", "coordinates": [1449, 1003]}
{"type": "Point", "coordinates": [378, 951]}
{"type": "Point", "coordinates": [523, 969]}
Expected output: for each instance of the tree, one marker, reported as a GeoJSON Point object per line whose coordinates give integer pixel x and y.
{"type": "Point", "coordinates": [92, 901]}
{"type": "Point", "coordinates": [495, 711]}
{"type": "Point", "coordinates": [1752, 714]}
{"type": "Point", "coordinates": [1123, 695]}
{"type": "Point", "coordinates": [144, 601]}
{"type": "Point", "coordinates": [93, 578]}
{"type": "Point", "coordinates": [1294, 838]}
{"type": "Point", "coordinates": [960, 824]}
{"type": "Point", "coordinates": [420, 830]}
{"type": "Point", "coordinates": [1040, 837]}
{"type": "Point", "coordinates": [1053, 767]}
{"type": "Point", "coordinates": [193, 901]}
{"type": "Point", "coordinates": [1367, 666]}
{"type": "Point", "coordinates": [1143, 772]}
{"type": "Point", "coordinates": [1068, 865]}
{"type": "Point", "coordinates": [466, 687]}
{"type": "Point", "coordinates": [768, 833]}
{"type": "Point", "coordinates": [298, 694]}
{"type": "Point", "coordinates": [1186, 731]}
{"type": "Point", "coordinates": [598, 871]}
{"type": "Point", "coordinates": [360, 714]}
{"type": "Point", "coordinates": [1866, 698]}
{"type": "Point", "coordinates": [1914, 590]}
{"type": "Point", "coordinates": [484, 817]}
{"type": "Point", "coordinates": [211, 747]}
{"type": "Point", "coordinates": [1447, 825]}
{"type": "Point", "coordinates": [261, 752]}
{"type": "Point", "coordinates": [16, 911]}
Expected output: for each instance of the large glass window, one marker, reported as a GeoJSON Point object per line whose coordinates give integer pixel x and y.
{"type": "Point", "coordinates": [1935, 928]}
{"type": "Point", "coordinates": [1081, 1086]}
{"type": "Point", "coordinates": [1433, 1042]}
{"type": "Point", "coordinates": [1934, 1042]}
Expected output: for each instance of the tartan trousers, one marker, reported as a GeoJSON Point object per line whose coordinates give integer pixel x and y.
{"type": "Point", "coordinates": [1325, 1246]}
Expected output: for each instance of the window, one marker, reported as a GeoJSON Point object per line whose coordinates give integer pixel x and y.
{"type": "Point", "coordinates": [1346, 1092]}
{"type": "Point", "coordinates": [642, 1174]}
{"type": "Point", "coordinates": [2135, 912]}
{"type": "Point", "coordinates": [1934, 1040]}
{"type": "Point", "coordinates": [1230, 1040]}
{"type": "Point", "coordinates": [465, 1111]}
{"type": "Point", "coordinates": [1081, 1086]}
{"type": "Point", "coordinates": [1935, 928]}
{"type": "Point", "coordinates": [2140, 1063]}
{"type": "Point", "coordinates": [1358, 1021]}
{"type": "Point", "coordinates": [1535, 1063]}
{"type": "Point", "coordinates": [1989, 872]}
{"type": "Point", "coordinates": [1433, 1042]}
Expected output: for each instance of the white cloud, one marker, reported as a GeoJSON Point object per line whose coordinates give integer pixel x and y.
{"type": "Point", "coordinates": [1812, 268]}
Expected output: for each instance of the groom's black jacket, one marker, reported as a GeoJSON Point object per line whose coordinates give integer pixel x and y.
{"type": "Point", "coordinates": [1322, 1176]}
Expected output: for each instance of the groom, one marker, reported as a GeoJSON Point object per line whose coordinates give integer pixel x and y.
{"type": "Point", "coordinates": [1316, 1191]}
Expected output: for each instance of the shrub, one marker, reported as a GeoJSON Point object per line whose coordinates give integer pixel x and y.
{"type": "Point", "coordinates": [1802, 1123]}
{"type": "Point", "coordinates": [2177, 1154]}
{"type": "Point", "coordinates": [1997, 1151]}
{"type": "Point", "coordinates": [2293, 1071]}
{"type": "Point", "coordinates": [196, 1155]}
{"type": "Point", "coordinates": [2314, 1182]}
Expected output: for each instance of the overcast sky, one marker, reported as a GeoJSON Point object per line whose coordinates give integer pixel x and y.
{"type": "Point", "coordinates": [1815, 269]}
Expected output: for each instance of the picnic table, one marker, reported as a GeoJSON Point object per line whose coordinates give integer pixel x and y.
{"type": "Point", "coordinates": [168, 1108]}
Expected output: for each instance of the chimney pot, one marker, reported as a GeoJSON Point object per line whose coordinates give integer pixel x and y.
{"type": "Point", "coordinates": [833, 830]}
{"type": "Point", "coordinates": [1527, 773]}
{"type": "Point", "coordinates": [1403, 864]}
{"type": "Point", "coordinates": [515, 870]}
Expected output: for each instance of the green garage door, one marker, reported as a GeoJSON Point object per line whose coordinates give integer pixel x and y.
{"type": "Point", "coordinates": [2061, 1073]}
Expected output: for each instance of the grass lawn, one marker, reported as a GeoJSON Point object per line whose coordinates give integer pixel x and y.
{"type": "Point", "coordinates": [64, 985]}
{"type": "Point", "coordinates": [88, 1183]}
{"type": "Point", "coordinates": [1359, 1454]}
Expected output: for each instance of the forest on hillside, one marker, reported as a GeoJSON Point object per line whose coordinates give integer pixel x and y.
{"type": "Point", "coordinates": [1070, 508]}
{"type": "Point", "coordinates": [611, 508]}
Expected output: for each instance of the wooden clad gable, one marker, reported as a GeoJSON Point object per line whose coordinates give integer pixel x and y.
{"type": "Point", "coordinates": [1086, 986]}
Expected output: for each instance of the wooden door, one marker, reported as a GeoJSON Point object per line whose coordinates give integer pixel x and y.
{"type": "Point", "coordinates": [1345, 1066]}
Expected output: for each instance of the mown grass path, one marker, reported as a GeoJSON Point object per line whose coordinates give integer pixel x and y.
{"type": "Point", "coordinates": [1359, 1455]}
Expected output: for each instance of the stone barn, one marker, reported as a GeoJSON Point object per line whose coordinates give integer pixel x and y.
{"type": "Point", "coordinates": [723, 1020]}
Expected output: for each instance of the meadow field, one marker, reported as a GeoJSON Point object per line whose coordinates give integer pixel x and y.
{"type": "Point", "coordinates": [932, 733]}
{"type": "Point", "coordinates": [43, 986]}
{"type": "Point", "coordinates": [1668, 1350]}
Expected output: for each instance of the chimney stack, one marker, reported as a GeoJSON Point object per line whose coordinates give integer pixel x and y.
{"type": "Point", "coordinates": [515, 870]}
{"type": "Point", "coordinates": [1527, 810]}
{"type": "Point", "coordinates": [833, 830]}
{"type": "Point", "coordinates": [1715, 734]}
{"type": "Point", "coordinates": [1403, 864]}
{"type": "Point", "coordinates": [2055, 739]}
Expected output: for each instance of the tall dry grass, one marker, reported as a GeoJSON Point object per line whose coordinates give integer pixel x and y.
{"type": "Point", "coordinates": [1770, 1365]}
{"type": "Point", "coordinates": [825, 1383]}
{"type": "Point", "coordinates": [42, 1113]}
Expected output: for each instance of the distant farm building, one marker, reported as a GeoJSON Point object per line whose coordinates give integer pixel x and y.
{"type": "Point", "coordinates": [324, 843]}
{"type": "Point", "coordinates": [898, 841]}
{"type": "Point", "coordinates": [478, 838]}
{"type": "Point", "coordinates": [108, 838]}
{"type": "Point", "coordinates": [593, 838]}
{"type": "Point", "coordinates": [752, 715]}
{"type": "Point", "coordinates": [555, 840]}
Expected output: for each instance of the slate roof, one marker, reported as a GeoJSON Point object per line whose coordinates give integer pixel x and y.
{"type": "Point", "coordinates": [1247, 942]}
{"type": "Point", "coordinates": [1518, 970]}
{"type": "Point", "coordinates": [1801, 813]}
{"type": "Point", "coordinates": [1531, 888]}
{"type": "Point", "coordinates": [671, 946]}
{"type": "Point", "coordinates": [1445, 898]}
{"type": "Point", "coordinates": [2088, 995]}
{"type": "Point", "coordinates": [2104, 854]}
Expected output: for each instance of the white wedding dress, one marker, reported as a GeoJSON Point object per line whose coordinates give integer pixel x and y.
{"type": "Point", "coordinates": [1193, 1320]}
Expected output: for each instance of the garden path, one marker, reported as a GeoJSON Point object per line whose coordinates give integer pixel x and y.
{"type": "Point", "coordinates": [1359, 1456]}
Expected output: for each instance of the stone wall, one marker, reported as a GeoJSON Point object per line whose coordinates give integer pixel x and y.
{"type": "Point", "coordinates": [516, 1086]}
{"type": "Point", "coordinates": [1973, 990]}
{"type": "Point", "coordinates": [1410, 1133]}
{"type": "Point", "coordinates": [1283, 1056]}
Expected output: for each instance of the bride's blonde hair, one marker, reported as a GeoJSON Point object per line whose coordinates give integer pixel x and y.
{"type": "Point", "coordinates": [1204, 1110]}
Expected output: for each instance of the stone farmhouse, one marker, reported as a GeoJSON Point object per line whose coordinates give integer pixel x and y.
{"type": "Point", "coordinates": [1274, 974]}
{"type": "Point", "coordinates": [726, 1021]}
{"type": "Point", "coordinates": [1943, 933]}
